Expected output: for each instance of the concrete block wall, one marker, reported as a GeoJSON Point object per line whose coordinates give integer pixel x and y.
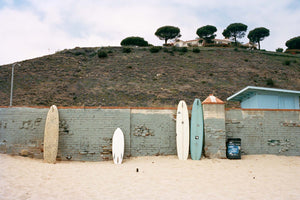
{"type": "Point", "coordinates": [214, 128]}
{"type": "Point", "coordinates": [153, 132]}
{"type": "Point", "coordinates": [265, 131]}
{"type": "Point", "coordinates": [22, 131]}
{"type": "Point", "coordinates": [86, 134]}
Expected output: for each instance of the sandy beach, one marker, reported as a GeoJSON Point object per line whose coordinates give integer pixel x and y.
{"type": "Point", "coordinates": [161, 177]}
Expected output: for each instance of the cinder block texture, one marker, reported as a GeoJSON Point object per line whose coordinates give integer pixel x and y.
{"type": "Point", "coordinates": [265, 132]}
{"type": "Point", "coordinates": [22, 131]}
{"type": "Point", "coordinates": [86, 134]}
{"type": "Point", "coordinates": [214, 131]}
{"type": "Point", "coordinates": [153, 132]}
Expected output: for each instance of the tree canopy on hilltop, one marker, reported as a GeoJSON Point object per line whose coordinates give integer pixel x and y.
{"type": "Point", "coordinates": [293, 43]}
{"type": "Point", "coordinates": [258, 34]}
{"type": "Point", "coordinates": [168, 32]}
{"type": "Point", "coordinates": [234, 31]}
{"type": "Point", "coordinates": [207, 33]}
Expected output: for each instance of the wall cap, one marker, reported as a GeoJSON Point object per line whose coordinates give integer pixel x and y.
{"type": "Point", "coordinates": [94, 107]}
{"type": "Point", "coordinates": [211, 99]}
{"type": "Point", "coordinates": [261, 109]}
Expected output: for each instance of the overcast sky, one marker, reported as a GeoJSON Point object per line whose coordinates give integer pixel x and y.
{"type": "Point", "coordinates": [33, 28]}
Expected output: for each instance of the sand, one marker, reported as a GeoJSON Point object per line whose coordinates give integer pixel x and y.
{"type": "Point", "coordinates": [162, 177]}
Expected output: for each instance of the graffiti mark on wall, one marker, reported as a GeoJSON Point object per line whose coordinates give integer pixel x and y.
{"type": "Point", "coordinates": [3, 124]}
{"type": "Point", "coordinates": [142, 131]}
{"type": "Point", "coordinates": [64, 128]}
{"type": "Point", "coordinates": [31, 124]}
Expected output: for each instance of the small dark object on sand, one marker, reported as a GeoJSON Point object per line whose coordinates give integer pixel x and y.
{"type": "Point", "coordinates": [137, 169]}
{"type": "Point", "coordinates": [69, 157]}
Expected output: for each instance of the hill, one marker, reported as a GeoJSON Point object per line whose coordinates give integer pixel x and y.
{"type": "Point", "coordinates": [78, 77]}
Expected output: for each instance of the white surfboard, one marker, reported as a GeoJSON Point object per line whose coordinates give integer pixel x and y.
{"type": "Point", "coordinates": [118, 146]}
{"type": "Point", "coordinates": [182, 131]}
{"type": "Point", "coordinates": [51, 135]}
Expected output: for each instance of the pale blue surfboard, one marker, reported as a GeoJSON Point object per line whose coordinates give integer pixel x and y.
{"type": "Point", "coordinates": [197, 129]}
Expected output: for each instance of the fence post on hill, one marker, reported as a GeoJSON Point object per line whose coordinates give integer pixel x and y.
{"type": "Point", "coordinates": [214, 127]}
{"type": "Point", "coordinates": [12, 82]}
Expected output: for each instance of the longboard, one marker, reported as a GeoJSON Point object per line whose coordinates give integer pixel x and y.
{"type": "Point", "coordinates": [196, 140]}
{"type": "Point", "coordinates": [182, 131]}
{"type": "Point", "coordinates": [118, 146]}
{"type": "Point", "coordinates": [51, 135]}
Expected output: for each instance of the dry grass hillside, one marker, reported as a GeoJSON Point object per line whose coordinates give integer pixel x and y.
{"type": "Point", "coordinates": [78, 77]}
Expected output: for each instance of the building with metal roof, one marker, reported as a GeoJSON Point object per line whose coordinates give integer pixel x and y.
{"type": "Point", "coordinates": [266, 98]}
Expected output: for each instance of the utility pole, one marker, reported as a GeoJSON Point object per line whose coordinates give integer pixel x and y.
{"type": "Point", "coordinates": [12, 82]}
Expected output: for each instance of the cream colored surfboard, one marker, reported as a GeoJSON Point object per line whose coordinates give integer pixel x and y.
{"type": "Point", "coordinates": [182, 131]}
{"type": "Point", "coordinates": [51, 135]}
{"type": "Point", "coordinates": [118, 146]}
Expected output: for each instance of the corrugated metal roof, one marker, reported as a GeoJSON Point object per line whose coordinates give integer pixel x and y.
{"type": "Point", "coordinates": [248, 91]}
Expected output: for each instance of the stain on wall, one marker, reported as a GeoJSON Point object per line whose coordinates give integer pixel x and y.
{"type": "Point", "coordinates": [153, 132]}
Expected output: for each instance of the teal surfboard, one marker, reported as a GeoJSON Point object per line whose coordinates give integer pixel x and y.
{"type": "Point", "coordinates": [197, 129]}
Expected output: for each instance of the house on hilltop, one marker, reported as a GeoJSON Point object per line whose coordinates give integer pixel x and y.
{"type": "Point", "coordinates": [222, 41]}
{"type": "Point", "coordinates": [199, 42]}
{"type": "Point", "coordinates": [189, 43]}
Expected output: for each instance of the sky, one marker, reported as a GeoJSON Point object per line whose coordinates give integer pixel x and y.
{"type": "Point", "coordinates": [34, 28]}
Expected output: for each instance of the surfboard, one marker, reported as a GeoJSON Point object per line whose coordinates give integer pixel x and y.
{"type": "Point", "coordinates": [51, 135]}
{"type": "Point", "coordinates": [118, 146]}
{"type": "Point", "coordinates": [182, 131]}
{"type": "Point", "coordinates": [197, 127]}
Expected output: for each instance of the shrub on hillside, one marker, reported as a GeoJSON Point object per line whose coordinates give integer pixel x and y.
{"type": "Point", "coordinates": [134, 41]}
{"type": "Point", "coordinates": [155, 49]}
{"type": "Point", "coordinates": [216, 45]}
{"type": "Point", "coordinates": [166, 50]}
{"type": "Point", "coordinates": [110, 51]}
{"type": "Point", "coordinates": [287, 62]}
{"type": "Point", "coordinates": [126, 50]}
{"type": "Point", "coordinates": [180, 49]}
{"type": "Point", "coordinates": [270, 82]}
{"type": "Point", "coordinates": [102, 54]}
{"type": "Point", "coordinates": [183, 49]}
{"type": "Point", "coordinates": [174, 48]}
{"type": "Point", "coordinates": [279, 50]}
{"type": "Point", "coordinates": [90, 52]}
{"type": "Point", "coordinates": [77, 51]}
{"type": "Point", "coordinates": [196, 50]}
